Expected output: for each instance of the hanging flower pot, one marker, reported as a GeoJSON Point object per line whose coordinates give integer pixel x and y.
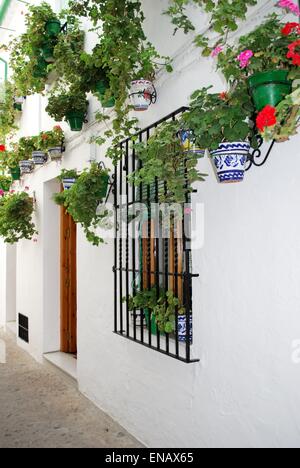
{"type": "Point", "coordinates": [141, 94]}
{"type": "Point", "coordinates": [39, 158]}
{"type": "Point", "coordinates": [47, 53]}
{"type": "Point", "coordinates": [182, 328]}
{"type": "Point", "coordinates": [188, 143]}
{"type": "Point", "coordinates": [55, 153]}
{"type": "Point", "coordinates": [40, 69]}
{"type": "Point", "coordinates": [26, 166]}
{"type": "Point", "coordinates": [230, 161]}
{"type": "Point", "coordinates": [76, 120]}
{"type": "Point", "coordinates": [18, 103]}
{"type": "Point", "coordinates": [53, 27]}
{"type": "Point", "coordinates": [68, 183]}
{"type": "Point", "coordinates": [101, 88]}
{"type": "Point", "coordinates": [269, 88]}
{"type": "Point", "coordinates": [15, 173]}
{"type": "Point", "coordinates": [103, 191]}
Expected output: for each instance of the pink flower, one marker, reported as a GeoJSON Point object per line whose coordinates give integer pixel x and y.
{"type": "Point", "coordinates": [289, 5]}
{"type": "Point", "coordinates": [188, 211]}
{"type": "Point", "coordinates": [2, 193]}
{"type": "Point", "coordinates": [217, 50]}
{"type": "Point", "coordinates": [244, 58]}
{"type": "Point", "coordinates": [12, 191]}
{"type": "Point", "coordinates": [26, 188]}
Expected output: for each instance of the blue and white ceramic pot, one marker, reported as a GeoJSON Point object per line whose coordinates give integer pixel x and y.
{"type": "Point", "coordinates": [55, 153]}
{"type": "Point", "coordinates": [230, 161]}
{"type": "Point", "coordinates": [68, 183]}
{"type": "Point", "coordinates": [141, 94]}
{"type": "Point", "coordinates": [39, 158]}
{"type": "Point", "coordinates": [188, 143]}
{"type": "Point", "coordinates": [182, 328]}
{"type": "Point", "coordinates": [26, 166]}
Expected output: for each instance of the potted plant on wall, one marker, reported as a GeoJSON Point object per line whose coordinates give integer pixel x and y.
{"type": "Point", "coordinates": [16, 212]}
{"type": "Point", "coordinates": [83, 198]}
{"type": "Point", "coordinates": [9, 161]}
{"type": "Point", "coordinates": [25, 147]}
{"type": "Point", "coordinates": [221, 123]}
{"type": "Point", "coordinates": [68, 105]}
{"type": "Point", "coordinates": [267, 58]}
{"type": "Point", "coordinates": [142, 94]}
{"type": "Point", "coordinates": [53, 142]}
{"type": "Point", "coordinates": [68, 177]}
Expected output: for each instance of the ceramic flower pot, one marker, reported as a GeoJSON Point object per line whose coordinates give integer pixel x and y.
{"type": "Point", "coordinates": [47, 53]}
{"type": "Point", "coordinates": [230, 161]}
{"type": "Point", "coordinates": [55, 153]}
{"type": "Point", "coordinates": [182, 328]}
{"type": "Point", "coordinates": [101, 88]}
{"type": "Point", "coordinates": [188, 143]}
{"type": "Point", "coordinates": [269, 88]}
{"type": "Point", "coordinates": [26, 167]}
{"type": "Point", "coordinates": [39, 158]}
{"type": "Point", "coordinates": [68, 183]}
{"type": "Point", "coordinates": [53, 27]}
{"type": "Point", "coordinates": [76, 120]}
{"type": "Point", "coordinates": [15, 173]}
{"type": "Point", "coordinates": [141, 94]}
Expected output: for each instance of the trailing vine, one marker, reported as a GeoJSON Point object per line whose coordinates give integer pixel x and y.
{"type": "Point", "coordinates": [224, 17]}
{"type": "Point", "coordinates": [125, 55]}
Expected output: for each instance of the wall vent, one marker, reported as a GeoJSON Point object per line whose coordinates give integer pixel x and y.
{"type": "Point", "coordinates": [23, 328]}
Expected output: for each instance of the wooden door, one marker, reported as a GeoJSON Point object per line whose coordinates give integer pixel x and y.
{"type": "Point", "coordinates": [68, 284]}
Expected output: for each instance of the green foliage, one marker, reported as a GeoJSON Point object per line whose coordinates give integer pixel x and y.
{"type": "Point", "coordinates": [16, 217]}
{"type": "Point", "coordinates": [224, 17]}
{"type": "Point", "coordinates": [269, 46]}
{"type": "Point", "coordinates": [215, 118]}
{"type": "Point", "coordinates": [124, 54]}
{"type": "Point", "coordinates": [26, 146]}
{"type": "Point", "coordinates": [161, 304]}
{"type": "Point", "coordinates": [83, 198]}
{"type": "Point", "coordinates": [163, 158]}
{"type": "Point", "coordinates": [7, 111]}
{"type": "Point", "coordinates": [10, 159]}
{"type": "Point", "coordinates": [5, 182]}
{"type": "Point", "coordinates": [62, 102]}
{"type": "Point", "coordinates": [68, 174]}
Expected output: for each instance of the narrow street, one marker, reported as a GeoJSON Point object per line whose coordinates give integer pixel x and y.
{"type": "Point", "coordinates": [40, 407]}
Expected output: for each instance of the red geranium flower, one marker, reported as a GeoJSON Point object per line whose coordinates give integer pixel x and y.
{"type": "Point", "coordinates": [44, 137]}
{"type": "Point", "coordinates": [292, 52]}
{"type": "Point", "coordinates": [289, 28]}
{"type": "Point", "coordinates": [223, 96]}
{"type": "Point", "coordinates": [57, 128]}
{"type": "Point", "coordinates": [266, 118]}
{"type": "Point", "coordinates": [2, 148]}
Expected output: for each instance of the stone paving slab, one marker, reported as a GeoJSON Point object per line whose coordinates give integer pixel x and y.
{"type": "Point", "coordinates": [40, 407]}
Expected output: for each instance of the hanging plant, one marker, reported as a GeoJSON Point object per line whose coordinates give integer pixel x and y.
{"type": "Point", "coordinates": [224, 17]}
{"type": "Point", "coordinates": [16, 212]}
{"type": "Point", "coordinates": [222, 124]}
{"type": "Point", "coordinates": [5, 183]}
{"type": "Point", "coordinates": [83, 199]}
{"type": "Point", "coordinates": [7, 111]}
{"type": "Point", "coordinates": [267, 59]}
{"type": "Point", "coordinates": [164, 158]}
{"type": "Point", "coordinates": [125, 55]}
{"type": "Point", "coordinates": [70, 105]}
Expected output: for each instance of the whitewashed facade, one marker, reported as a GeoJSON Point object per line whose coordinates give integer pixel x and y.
{"type": "Point", "coordinates": [244, 392]}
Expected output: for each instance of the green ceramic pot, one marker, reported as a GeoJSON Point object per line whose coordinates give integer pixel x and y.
{"type": "Point", "coordinates": [15, 173]}
{"type": "Point", "coordinates": [101, 88]}
{"type": "Point", "coordinates": [47, 53]}
{"type": "Point", "coordinates": [269, 88]}
{"type": "Point", "coordinates": [76, 120]}
{"type": "Point", "coordinates": [53, 27]}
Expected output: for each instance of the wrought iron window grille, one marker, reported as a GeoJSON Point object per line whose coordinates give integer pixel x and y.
{"type": "Point", "coordinates": [150, 261]}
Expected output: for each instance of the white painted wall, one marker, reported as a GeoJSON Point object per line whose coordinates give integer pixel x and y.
{"type": "Point", "coordinates": [245, 390]}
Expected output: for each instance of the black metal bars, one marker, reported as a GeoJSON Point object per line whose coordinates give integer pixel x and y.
{"type": "Point", "coordinates": [147, 260]}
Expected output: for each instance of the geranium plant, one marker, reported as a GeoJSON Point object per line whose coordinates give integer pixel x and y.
{"type": "Point", "coordinates": [7, 111]}
{"type": "Point", "coordinates": [163, 158]}
{"type": "Point", "coordinates": [62, 103]}
{"type": "Point", "coordinates": [83, 198]}
{"type": "Point", "coordinates": [50, 139]}
{"type": "Point", "coordinates": [16, 210]}
{"type": "Point", "coordinates": [219, 117]}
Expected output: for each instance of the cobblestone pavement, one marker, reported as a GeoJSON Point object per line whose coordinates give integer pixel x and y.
{"type": "Point", "coordinates": [40, 407]}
